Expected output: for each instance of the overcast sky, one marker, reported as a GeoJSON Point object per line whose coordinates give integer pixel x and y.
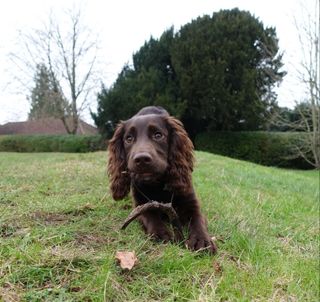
{"type": "Point", "coordinates": [124, 25]}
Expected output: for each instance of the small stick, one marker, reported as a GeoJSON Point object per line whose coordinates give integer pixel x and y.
{"type": "Point", "coordinates": [166, 208]}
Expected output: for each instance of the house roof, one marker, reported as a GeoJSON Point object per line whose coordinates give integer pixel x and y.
{"type": "Point", "coordinates": [44, 126]}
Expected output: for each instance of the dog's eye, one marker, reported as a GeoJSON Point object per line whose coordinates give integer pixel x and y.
{"type": "Point", "coordinates": [157, 135]}
{"type": "Point", "coordinates": [129, 139]}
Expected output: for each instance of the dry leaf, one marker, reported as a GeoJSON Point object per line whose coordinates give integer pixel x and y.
{"type": "Point", "coordinates": [127, 260]}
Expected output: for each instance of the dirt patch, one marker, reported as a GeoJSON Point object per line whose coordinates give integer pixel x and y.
{"type": "Point", "coordinates": [7, 202]}
{"type": "Point", "coordinates": [49, 218]}
{"type": "Point", "coordinates": [83, 210]}
{"type": "Point", "coordinates": [286, 241]}
{"type": "Point", "coordinates": [7, 230]}
{"type": "Point", "coordinates": [92, 240]}
{"type": "Point", "coordinates": [70, 256]}
{"type": "Point", "coordinates": [9, 293]}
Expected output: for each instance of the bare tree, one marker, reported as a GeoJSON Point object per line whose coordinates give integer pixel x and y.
{"type": "Point", "coordinates": [308, 109]}
{"type": "Point", "coordinates": [70, 54]}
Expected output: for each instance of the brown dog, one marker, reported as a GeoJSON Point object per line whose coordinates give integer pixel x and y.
{"type": "Point", "coordinates": [152, 154]}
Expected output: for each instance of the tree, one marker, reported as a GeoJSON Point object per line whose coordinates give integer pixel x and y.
{"type": "Point", "coordinates": [70, 55]}
{"type": "Point", "coordinates": [216, 73]}
{"type": "Point", "coordinates": [116, 103]}
{"type": "Point", "coordinates": [307, 111]}
{"type": "Point", "coordinates": [150, 81]}
{"type": "Point", "coordinates": [227, 66]}
{"type": "Point", "coordinates": [46, 98]}
{"type": "Point", "coordinates": [309, 36]}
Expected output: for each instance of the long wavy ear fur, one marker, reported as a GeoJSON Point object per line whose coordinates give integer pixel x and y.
{"type": "Point", "coordinates": [117, 165]}
{"type": "Point", "coordinates": [181, 157]}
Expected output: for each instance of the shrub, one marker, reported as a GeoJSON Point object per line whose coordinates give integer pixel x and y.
{"type": "Point", "coordinates": [266, 148]}
{"type": "Point", "coordinates": [52, 143]}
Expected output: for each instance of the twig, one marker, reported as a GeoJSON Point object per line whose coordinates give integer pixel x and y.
{"type": "Point", "coordinates": [166, 208]}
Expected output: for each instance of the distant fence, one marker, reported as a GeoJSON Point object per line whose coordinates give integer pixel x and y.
{"type": "Point", "coordinates": [266, 148]}
{"type": "Point", "coordinates": [52, 143]}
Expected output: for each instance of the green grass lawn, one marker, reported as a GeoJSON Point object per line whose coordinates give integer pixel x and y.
{"type": "Point", "coordinates": [59, 232]}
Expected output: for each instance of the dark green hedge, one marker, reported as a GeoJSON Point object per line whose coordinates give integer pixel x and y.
{"type": "Point", "coordinates": [52, 143]}
{"type": "Point", "coordinates": [266, 148]}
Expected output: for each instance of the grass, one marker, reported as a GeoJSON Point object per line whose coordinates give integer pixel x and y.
{"type": "Point", "coordinates": [59, 232]}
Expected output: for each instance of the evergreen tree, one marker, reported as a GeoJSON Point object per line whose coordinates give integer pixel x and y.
{"type": "Point", "coordinates": [151, 81]}
{"type": "Point", "coordinates": [46, 98]}
{"type": "Point", "coordinates": [227, 66]}
{"type": "Point", "coordinates": [216, 73]}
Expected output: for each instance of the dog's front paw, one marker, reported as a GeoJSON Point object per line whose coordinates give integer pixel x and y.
{"type": "Point", "coordinates": [199, 241]}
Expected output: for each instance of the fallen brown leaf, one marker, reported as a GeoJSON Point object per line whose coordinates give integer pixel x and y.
{"type": "Point", "coordinates": [127, 260]}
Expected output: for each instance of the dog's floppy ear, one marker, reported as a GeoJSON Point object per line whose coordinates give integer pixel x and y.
{"type": "Point", "coordinates": [180, 156]}
{"type": "Point", "coordinates": [117, 166]}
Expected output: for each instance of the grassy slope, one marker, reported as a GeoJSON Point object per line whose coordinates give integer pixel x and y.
{"type": "Point", "coordinates": [59, 231]}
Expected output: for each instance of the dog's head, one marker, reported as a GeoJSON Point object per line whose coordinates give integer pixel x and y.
{"type": "Point", "coordinates": [150, 147]}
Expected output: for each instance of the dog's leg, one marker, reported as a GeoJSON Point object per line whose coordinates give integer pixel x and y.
{"type": "Point", "coordinates": [154, 226]}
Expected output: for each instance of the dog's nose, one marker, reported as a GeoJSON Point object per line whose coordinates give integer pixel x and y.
{"type": "Point", "coordinates": [142, 158]}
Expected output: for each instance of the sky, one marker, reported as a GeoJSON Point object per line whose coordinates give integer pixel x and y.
{"type": "Point", "coordinates": [123, 27]}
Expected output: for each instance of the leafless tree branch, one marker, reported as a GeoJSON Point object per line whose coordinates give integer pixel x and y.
{"type": "Point", "coordinates": [309, 76]}
{"type": "Point", "coordinates": [70, 55]}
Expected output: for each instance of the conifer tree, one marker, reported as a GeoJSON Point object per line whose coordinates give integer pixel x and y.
{"type": "Point", "coordinates": [46, 98]}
